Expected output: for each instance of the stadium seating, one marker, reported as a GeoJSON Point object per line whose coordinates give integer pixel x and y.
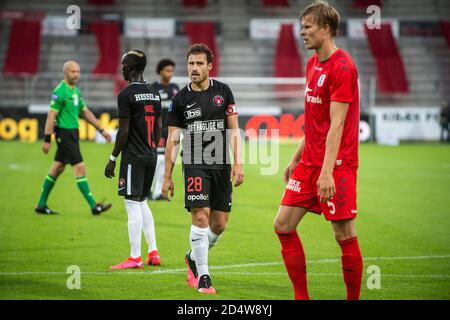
{"type": "Point", "coordinates": [239, 55]}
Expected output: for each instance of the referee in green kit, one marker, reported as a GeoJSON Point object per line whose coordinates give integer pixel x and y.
{"type": "Point", "coordinates": [66, 106]}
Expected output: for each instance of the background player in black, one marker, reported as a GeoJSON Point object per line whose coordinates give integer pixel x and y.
{"type": "Point", "coordinates": [138, 135]}
{"type": "Point", "coordinates": [167, 90]}
{"type": "Point", "coordinates": [206, 113]}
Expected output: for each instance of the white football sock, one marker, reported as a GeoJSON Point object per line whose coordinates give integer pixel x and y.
{"type": "Point", "coordinates": [148, 226]}
{"type": "Point", "coordinates": [158, 179]}
{"type": "Point", "coordinates": [213, 238]}
{"type": "Point", "coordinates": [199, 244]}
{"type": "Point", "coordinates": [134, 226]}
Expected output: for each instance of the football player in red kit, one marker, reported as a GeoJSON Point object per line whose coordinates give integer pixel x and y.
{"type": "Point", "coordinates": [321, 177]}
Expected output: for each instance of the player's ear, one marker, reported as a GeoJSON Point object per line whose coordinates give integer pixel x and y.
{"type": "Point", "coordinates": [209, 66]}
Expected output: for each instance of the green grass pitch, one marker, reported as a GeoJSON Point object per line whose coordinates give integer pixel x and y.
{"type": "Point", "coordinates": [403, 225]}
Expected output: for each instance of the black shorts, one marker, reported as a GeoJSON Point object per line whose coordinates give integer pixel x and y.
{"type": "Point", "coordinates": [207, 188]}
{"type": "Point", "coordinates": [68, 150]}
{"type": "Point", "coordinates": [135, 180]}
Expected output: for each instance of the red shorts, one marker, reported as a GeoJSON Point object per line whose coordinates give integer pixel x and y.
{"type": "Point", "coordinates": [301, 191]}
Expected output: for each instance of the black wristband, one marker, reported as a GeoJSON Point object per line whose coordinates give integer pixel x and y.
{"type": "Point", "coordinates": [101, 130]}
{"type": "Point", "coordinates": [48, 138]}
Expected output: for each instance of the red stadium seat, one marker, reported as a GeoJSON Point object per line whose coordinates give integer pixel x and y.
{"type": "Point", "coordinates": [445, 28]}
{"type": "Point", "coordinates": [101, 2]}
{"type": "Point", "coordinates": [275, 3]}
{"type": "Point", "coordinates": [365, 3]}
{"type": "Point", "coordinates": [287, 60]}
{"type": "Point", "coordinates": [195, 3]}
{"type": "Point", "coordinates": [22, 55]}
{"type": "Point", "coordinates": [204, 32]}
{"type": "Point", "coordinates": [108, 40]}
{"type": "Point", "coordinates": [390, 69]}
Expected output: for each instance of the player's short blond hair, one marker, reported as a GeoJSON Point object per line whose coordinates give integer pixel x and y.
{"type": "Point", "coordinates": [324, 14]}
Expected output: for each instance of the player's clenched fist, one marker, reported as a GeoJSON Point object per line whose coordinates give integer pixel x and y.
{"type": "Point", "coordinates": [109, 169]}
{"type": "Point", "coordinates": [46, 147]}
{"type": "Point", "coordinates": [166, 188]}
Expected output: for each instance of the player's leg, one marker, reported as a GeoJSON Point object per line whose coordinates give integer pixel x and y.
{"type": "Point", "coordinates": [217, 223]}
{"type": "Point", "coordinates": [351, 259]}
{"type": "Point", "coordinates": [79, 170]}
{"type": "Point", "coordinates": [148, 223]}
{"type": "Point", "coordinates": [221, 190]}
{"type": "Point", "coordinates": [159, 177]}
{"type": "Point", "coordinates": [131, 181]}
{"type": "Point", "coordinates": [200, 247]}
{"type": "Point", "coordinates": [285, 224]}
{"type": "Point", "coordinates": [56, 169]}
{"type": "Point", "coordinates": [341, 211]}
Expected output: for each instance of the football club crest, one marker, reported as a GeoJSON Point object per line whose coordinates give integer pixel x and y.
{"type": "Point", "coordinates": [218, 100]}
{"type": "Point", "coordinates": [122, 182]}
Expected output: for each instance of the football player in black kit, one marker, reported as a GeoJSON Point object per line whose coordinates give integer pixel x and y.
{"type": "Point", "coordinates": [204, 111]}
{"type": "Point", "coordinates": [137, 138]}
{"type": "Point", "coordinates": [167, 90]}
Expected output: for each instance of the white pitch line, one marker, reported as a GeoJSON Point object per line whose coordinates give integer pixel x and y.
{"type": "Point", "coordinates": [235, 266]}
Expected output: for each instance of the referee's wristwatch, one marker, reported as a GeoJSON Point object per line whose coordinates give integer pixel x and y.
{"type": "Point", "coordinates": [112, 158]}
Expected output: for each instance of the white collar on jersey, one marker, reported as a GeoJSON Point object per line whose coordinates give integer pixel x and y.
{"type": "Point", "coordinates": [211, 83]}
{"type": "Point", "coordinates": [138, 82]}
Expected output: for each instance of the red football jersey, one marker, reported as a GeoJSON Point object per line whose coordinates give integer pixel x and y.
{"type": "Point", "coordinates": [335, 79]}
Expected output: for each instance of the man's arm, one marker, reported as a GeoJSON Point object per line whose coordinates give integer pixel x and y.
{"type": "Point", "coordinates": [172, 148]}
{"type": "Point", "coordinates": [325, 183]}
{"type": "Point", "coordinates": [121, 138]}
{"type": "Point", "coordinates": [90, 118]}
{"type": "Point", "coordinates": [49, 126]}
{"type": "Point", "coordinates": [237, 172]}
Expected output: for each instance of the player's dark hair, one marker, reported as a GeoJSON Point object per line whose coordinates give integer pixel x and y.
{"type": "Point", "coordinates": [198, 48]}
{"type": "Point", "coordinates": [164, 63]}
{"type": "Point", "coordinates": [324, 14]}
{"type": "Point", "coordinates": [135, 60]}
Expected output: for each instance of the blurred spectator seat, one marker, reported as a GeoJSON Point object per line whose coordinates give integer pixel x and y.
{"type": "Point", "coordinates": [445, 27]}
{"type": "Point", "coordinates": [390, 68]}
{"type": "Point", "coordinates": [107, 34]}
{"type": "Point", "coordinates": [204, 32]}
{"type": "Point", "coordinates": [287, 60]}
{"type": "Point", "coordinates": [22, 55]}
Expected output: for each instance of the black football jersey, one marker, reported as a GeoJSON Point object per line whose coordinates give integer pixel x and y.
{"type": "Point", "coordinates": [202, 116]}
{"type": "Point", "coordinates": [140, 103]}
{"type": "Point", "coordinates": [166, 92]}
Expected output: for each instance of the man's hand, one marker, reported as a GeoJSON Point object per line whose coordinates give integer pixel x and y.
{"type": "Point", "coordinates": [46, 147]}
{"type": "Point", "coordinates": [289, 171]}
{"type": "Point", "coordinates": [326, 187]}
{"type": "Point", "coordinates": [109, 169]}
{"type": "Point", "coordinates": [106, 135]}
{"type": "Point", "coordinates": [237, 174]}
{"type": "Point", "coordinates": [167, 186]}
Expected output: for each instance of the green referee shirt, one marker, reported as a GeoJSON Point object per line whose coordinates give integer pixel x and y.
{"type": "Point", "coordinates": [68, 102]}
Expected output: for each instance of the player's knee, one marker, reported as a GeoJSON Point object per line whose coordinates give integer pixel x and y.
{"type": "Point", "coordinates": [282, 226]}
{"type": "Point", "coordinates": [342, 235]}
{"type": "Point", "coordinates": [218, 228]}
{"type": "Point", "coordinates": [200, 217]}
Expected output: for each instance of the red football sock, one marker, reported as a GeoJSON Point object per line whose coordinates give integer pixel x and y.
{"type": "Point", "coordinates": [295, 262]}
{"type": "Point", "coordinates": [352, 266]}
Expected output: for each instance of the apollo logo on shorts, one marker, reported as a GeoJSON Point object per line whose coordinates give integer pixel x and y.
{"type": "Point", "coordinates": [294, 185]}
{"type": "Point", "coordinates": [201, 196]}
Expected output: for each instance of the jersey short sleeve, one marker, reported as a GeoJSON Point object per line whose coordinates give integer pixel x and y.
{"type": "Point", "coordinates": [123, 104]}
{"type": "Point", "coordinates": [231, 105]}
{"type": "Point", "coordinates": [175, 113]}
{"type": "Point", "coordinates": [57, 100]}
{"type": "Point", "coordinates": [158, 107]}
{"type": "Point", "coordinates": [343, 82]}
